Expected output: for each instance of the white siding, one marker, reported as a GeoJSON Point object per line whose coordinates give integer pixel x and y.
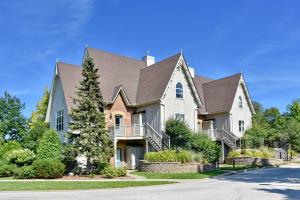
{"type": "Point", "coordinates": [221, 121]}
{"type": "Point", "coordinates": [240, 113]}
{"type": "Point", "coordinates": [172, 105]}
{"type": "Point", "coordinates": [152, 115]}
{"type": "Point", "coordinates": [58, 103]}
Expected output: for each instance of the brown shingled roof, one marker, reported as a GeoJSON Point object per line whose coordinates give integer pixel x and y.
{"type": "Point", "coordinates": [154, 79]}
{"type": "Point", "coordinates": [143, 84]}
{"type": "Point", "coordinates": [116, 70]}
{"type": "Point", "coordinates": [199, 81]}
{"type": "Point", "coordinates": [70, 75]}
{"type": "Point", "coordinates": [219, 94]}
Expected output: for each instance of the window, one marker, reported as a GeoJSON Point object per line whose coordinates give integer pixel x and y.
{"type": "Point", "coordinates": [60, 120]}
{"type": "Point", "coordinates": [179, 91]}
{"type": "Point", "coordinates": [241, 126]}
{"type": "Point", "coordinates": [179, 116]}
{"type": "Point", "coordinates": [240, 102]}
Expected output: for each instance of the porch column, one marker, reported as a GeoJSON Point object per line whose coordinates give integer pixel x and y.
{"type": "Point", "coordinates": [115, 151]}
{"type": "Point", "coordinates": [147, 146]}
{"type": "Point", "coordinates": [223, 151]}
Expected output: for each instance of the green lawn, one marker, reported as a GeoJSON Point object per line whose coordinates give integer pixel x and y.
{"type": "Point", "coordinates": [237, 167]}
{"type": "Point", "coordinates": [73, 185]}
{"type": "Point", "coordinates": [151, 175]}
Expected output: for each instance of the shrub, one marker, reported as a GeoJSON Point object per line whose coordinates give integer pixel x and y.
{"type": "Point", "coordinates": [267, 153]}
{"type": "Point", "coordinates": [198, 157]}
{"type": "Point", "coordinates": [7, 170]}
{"type": "Point", "coordinates": [25, 172]}
{"type": "Point", "coordinates": [202, 143]}
{"type": "Point", "coordinates": [109, 172]}
{"type": "Point", "coordinates": [179, 132]}
{"type": "Point", "coordinates": [7, 147]}
{"type": "Point", "coordinates": [121, 171]}
{"type": "Point", "coordinates": [20, 157]}
{"type": "Point", "coordinates": [49, 146]}
{"type": "Point", "coordinates": [234, 153]}
{"type": "Point", "coordinates": [169, 156]}
{"type": "Point", "coordinates": [48, 168]}
{"type": "Point", "coordinates": [259, 153]}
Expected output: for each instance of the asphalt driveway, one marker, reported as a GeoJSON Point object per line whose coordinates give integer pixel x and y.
{"type": "Point", "coordinates": [271, 183]}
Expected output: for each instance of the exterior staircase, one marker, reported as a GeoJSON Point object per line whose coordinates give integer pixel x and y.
{"type": "Point", "coordinates": [158, 141]}
{"type": "Point", "coordinates": [228, 138]}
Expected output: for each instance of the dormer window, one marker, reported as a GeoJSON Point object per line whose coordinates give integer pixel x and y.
{"type": "Point", "coordinates": [179, 91]}
{"type": "Point", "coordinates": [240, 102]}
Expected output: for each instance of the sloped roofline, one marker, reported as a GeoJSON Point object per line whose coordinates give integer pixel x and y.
{"type": "Point", "coordinates": [246, 91]}
{"type": "Point", "coordinates": [189, 79]}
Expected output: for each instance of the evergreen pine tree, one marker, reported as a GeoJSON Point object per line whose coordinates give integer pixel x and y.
{"type": "Point", "coordinates": [88, 131]}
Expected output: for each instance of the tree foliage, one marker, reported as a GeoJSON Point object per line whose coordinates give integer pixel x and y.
{"type": "Point", "coordinates": [12, 122]}
{"type": "Point", "coordinates": [49, 146]}
{"type": "Point", "coordinates": [270, 125]}
{"type": "Point", "coordinates": [88, 131]}
{"type": "Point", "coordinates": [37, 123]}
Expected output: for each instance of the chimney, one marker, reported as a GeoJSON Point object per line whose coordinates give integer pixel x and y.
{"type": "Point", "coordinates": [149, 60]}
{"type": "Point", "coordinates": [192, 71]}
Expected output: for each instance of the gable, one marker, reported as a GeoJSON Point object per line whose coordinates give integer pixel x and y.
{"type": "Point", "coordinates": [242, 92]}
{"type": "Point", "coordinates": [182, 74]}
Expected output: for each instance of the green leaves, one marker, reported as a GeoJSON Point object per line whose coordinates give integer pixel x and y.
{"type": "Point", "coordinates": [49, 146]}
{"type": "Point", "coordinates": [12, 122]}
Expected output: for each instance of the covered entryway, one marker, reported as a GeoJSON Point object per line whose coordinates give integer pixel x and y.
{"type": "Point", "coordinates": [129, 153]}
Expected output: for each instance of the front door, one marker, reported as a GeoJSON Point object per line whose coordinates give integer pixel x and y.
{"type": "Point", "coordinates": [119, 128]}
{"type": "Point", "coordinates": [119, 158]}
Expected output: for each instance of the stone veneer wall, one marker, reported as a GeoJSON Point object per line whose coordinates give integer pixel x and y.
{"type": "Point", "coordinates": [254, 161]}
{"type": "Point", "coordinates": [175, 167]}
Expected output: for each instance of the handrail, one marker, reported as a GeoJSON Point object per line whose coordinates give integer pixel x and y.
{"type": "Point", "coordinates": [148, 125]}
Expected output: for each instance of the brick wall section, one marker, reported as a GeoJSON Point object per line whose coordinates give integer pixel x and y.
{"type": "Point", "coordinates": [254, 161]}
{"type": "Point", "coordinates": [175, 167]}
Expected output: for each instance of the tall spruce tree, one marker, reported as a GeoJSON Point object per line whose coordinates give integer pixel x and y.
{"type": "Point", "coordinates": [88, 118]}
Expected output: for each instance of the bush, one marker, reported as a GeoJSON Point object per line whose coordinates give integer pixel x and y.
{"type": "Point", "coordinates": [48, 168]}
{"type": "Point", "coordinates": [169, 156]}
{"type": "Point", "coordinates": [109, 172]}
{"type": "Point", "coordinates": [259, 153]}
{"type": "Point", "coordinates": [7, 147]}
{"type": "Point", "coordinates": [234, 153]}
{"type": "Point", "coordinates": [49, 146]}
{"type": "Point", "coordinates": [179, 132]}
{"type": "Point", "coordinates": [25, 172]}
{"type": "Point", "coordinates": [198, 157]}
{"type": "Point", "coordinates": [121, 171]}
{"type": "Point", "coordinates": [7, 170]}
{"type": "Point", "coordinates": [20, 157]}
{"type": "Point", "coordinates": [202, 143]}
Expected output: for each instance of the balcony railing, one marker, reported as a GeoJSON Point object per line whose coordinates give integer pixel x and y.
{"type": "Point", "coordinates": [127, 131]}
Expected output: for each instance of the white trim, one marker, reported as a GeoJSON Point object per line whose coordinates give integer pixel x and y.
{"type": "Point", "coordinates": [122, 92]}
{"type": "Point", "coordinates": [181, 62]}
{"type": "Point", "coordinates": [49, 107]}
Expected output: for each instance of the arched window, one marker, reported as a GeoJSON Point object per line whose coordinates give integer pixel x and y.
{"type": "Point", "coordinates": [179, 91]}
{"type": "Point", "coordinates": [240, 102]}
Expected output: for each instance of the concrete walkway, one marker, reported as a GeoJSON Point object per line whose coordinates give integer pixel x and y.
{"type": "Point", "coordinates": [271, 183]}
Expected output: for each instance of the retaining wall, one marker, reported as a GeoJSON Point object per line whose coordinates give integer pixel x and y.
{"type": "Point", "coordinates": [175, 167]}
{"type": "Point", "coordinates": [254, 161]}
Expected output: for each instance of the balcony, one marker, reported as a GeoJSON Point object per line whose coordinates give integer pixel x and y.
{"type": "Point", "coordinates": [132, 131]}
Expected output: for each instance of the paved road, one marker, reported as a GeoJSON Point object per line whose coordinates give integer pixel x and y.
{"type": "Point", "coordinates": [272, 183]}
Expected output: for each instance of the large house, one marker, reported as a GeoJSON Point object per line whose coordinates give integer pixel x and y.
{"type": "Point", "coordinates": [142, 94]}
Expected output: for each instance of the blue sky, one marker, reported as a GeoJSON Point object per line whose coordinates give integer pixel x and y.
{"type": "Point", "coordinates": [218, 38]}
